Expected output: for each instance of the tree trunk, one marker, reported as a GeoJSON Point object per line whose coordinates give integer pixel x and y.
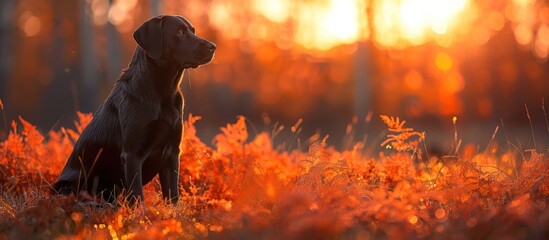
{"type": "Point", "coordinates": [363, 93]}
{"type": "Point", "coordinates": [156, 5]}
{"type": "Point", "coordinates": [362, 86]}
{"type": "Point", "coordinates": [89, 89]}
{"type": "Point", "coordinates": [113, 63]}
{"type": "Point", "coordinates": [6, 44]}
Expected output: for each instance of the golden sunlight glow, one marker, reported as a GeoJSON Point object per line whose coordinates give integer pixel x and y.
{"type": "Point", "coordinates": [274, 10]}
{"type": "Point", "coordinates": [313, 24]}
{"type": "Point", "coordinates": [415, 21]}
{"type": "Point", "coordinates": [325, 24]}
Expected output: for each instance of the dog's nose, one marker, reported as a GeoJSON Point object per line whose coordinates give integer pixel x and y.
{"type": "Point", "coordinates": [211, 46]}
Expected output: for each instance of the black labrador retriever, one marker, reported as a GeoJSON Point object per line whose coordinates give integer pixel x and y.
{"type": "Point", "coordinates": [137, 131]}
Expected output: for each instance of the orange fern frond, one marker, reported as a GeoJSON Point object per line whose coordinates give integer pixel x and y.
{"type": "Point", "coordinates": [404, 139]}
{"type": "Point", "coordinates": [233, 136]}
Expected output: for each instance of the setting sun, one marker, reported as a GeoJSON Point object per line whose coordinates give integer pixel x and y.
{"type": "Point", "coordinates": [319, 25]}
{"type": "Point", "coordinates": [325, 24]}
{"type": "Point", "coordinates": [399, 23]}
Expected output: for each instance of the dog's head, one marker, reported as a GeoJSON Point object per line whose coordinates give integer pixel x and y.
{"type": "Point", "coordinates": [173, 38]}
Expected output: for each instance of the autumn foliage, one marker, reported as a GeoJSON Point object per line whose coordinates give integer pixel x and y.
{"type": "Point", "coordinates": [247, 188]}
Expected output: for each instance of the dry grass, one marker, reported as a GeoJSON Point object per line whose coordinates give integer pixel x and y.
{"type": "Point", "coordinates": [249, 189]}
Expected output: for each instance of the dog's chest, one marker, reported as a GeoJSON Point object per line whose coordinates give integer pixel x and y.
{"type": "Point", "coordinates": [171, 110]}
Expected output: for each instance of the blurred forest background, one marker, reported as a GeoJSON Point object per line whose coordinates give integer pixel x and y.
{"type": "Point", "coordinates": [325, 61]}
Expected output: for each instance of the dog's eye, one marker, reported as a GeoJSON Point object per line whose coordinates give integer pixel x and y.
{"type": "Point", "coordinates": [180, 32]}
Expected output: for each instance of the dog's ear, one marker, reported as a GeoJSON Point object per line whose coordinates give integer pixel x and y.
{"type": "Point", "coordinates": [149, 37]}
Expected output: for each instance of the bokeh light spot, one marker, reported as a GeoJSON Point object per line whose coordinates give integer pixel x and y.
{"type": "Point", "coordinates": [30, 24]}
{"type": "Point", "coordinates": [443, 61]}
{"type": "Point", "coordinates": [413, 219]}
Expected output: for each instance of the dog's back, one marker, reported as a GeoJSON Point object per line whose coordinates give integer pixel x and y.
{"type": "Point", "coordinates": [97, 151]}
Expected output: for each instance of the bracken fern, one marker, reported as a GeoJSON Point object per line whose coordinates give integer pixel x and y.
{"type": "Point", "coordinates": [403, 139]}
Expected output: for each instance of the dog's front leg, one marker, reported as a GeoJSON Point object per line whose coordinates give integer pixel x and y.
{"type": "Point", "coordinates": [133, 176]}
{"type": "Point", "coordinates": [169, 178]}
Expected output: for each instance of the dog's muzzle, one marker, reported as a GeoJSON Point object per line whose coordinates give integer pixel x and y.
{"type": "Point", "coordinates": [204, 54]}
